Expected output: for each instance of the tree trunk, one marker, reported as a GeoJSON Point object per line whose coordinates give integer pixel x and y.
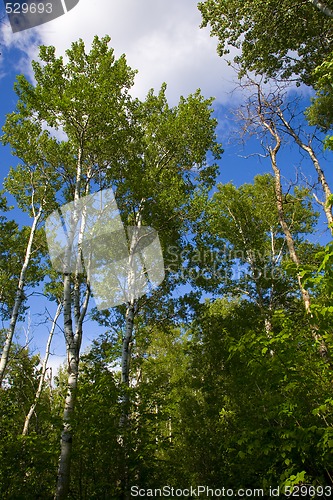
{"type": "Point", "coordinates": [131, 303]}
{"type": "Point", "coordinates": [73, 340]}
{"type": "Point", "coordinates": [63, 480]}
{"type": "Point", "coordinates": [125, 410]}
{"type": "Point", "coordinates": [284, 225]}
{"type": "Point", "coordinates": [285, 228]}
{"type": "Point", "coordinates": [323, 7]}
{"type": "Point", "coordinates": [73, 345]}
{"type": "Point", "coordinates": [18, 298]}
{"type": "Point", "coordinates": [126, 349]}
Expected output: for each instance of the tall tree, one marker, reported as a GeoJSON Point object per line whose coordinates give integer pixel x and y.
{"type": "Point", "coordinates": [169, 168]}
{"type": "Point", "coordinates": [85, 98]}
{"type": "Point", "coordinates": [266, 113]}
{"type": "Point", "coordinates": [43, 372]}
{"type": "Point", "coordinates": [31, 187]}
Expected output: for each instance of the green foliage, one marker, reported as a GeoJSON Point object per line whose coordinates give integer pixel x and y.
{"type": "Point", "coordinates": [97, 451]}
{"type": "Point", "coordinates": [284, 38]}
{"type": "Point", "coordinates": [27, 464]}
{"type": "Point", "coordinates": [257, 394]}
{"type": "Point", "coordinates": [13, 242]}
{"type": "Point", "coordinates": [320, 112]}
{"type": "Point", "coordinates": [248, 252]}
{"type": "Point", "coordinates": [320, 282]}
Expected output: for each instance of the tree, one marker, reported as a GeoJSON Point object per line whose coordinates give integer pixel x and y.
{"type": "Point", "coordinates": [27, 463]}
{"type": "Point", "coordinates": [285, 39]}
{"type": "Point", "coordinates": [33, 200]}
{"type": "Point", "coordinates": [169, 168]}
{"type": "Point", "coordinates": [151, 156]}
{"type": "Point", "coordinates": [86, 99]}
{"type": "Point", "coordinates": [12, 249]}
{"type": "Point", "coordinates": [243, 228]}
{"type": "Point", "coordinates": [256, 411]}
{"type": "Point", "coordinates": [43, 373]}
{"type": "Point", "coordinates": [266, 113]}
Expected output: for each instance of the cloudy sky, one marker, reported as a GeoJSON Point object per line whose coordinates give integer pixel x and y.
{"type": "Point", "coordinates": [161, 39]}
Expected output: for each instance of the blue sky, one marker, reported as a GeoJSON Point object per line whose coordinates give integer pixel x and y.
{"type": "Point", "coordinates": [162, 40]}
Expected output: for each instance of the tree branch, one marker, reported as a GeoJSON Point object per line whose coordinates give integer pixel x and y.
{"type": "Point", "coordinates": [322, 7]}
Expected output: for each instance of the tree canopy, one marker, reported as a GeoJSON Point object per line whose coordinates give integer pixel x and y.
{"type": "Point", "coordinates": [221, 374]}
{"type": "Point", "coordinates": [284, 39]}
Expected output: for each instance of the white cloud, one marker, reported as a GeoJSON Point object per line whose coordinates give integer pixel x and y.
{"type": "Point", "coordinates": [26, 42]}
{"type": "Point", "coordinates": [161, 39]}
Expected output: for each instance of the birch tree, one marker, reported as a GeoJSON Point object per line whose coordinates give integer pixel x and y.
{"type": "Point", "coordinates": [248, 245]}
{"type": "Point", "coordinates": [31, 187]}
{"type": "Point", "coordinates": [169, 169]}
{"type": "Point", "coordinates": [265, 113]}
{"type": "Point", "coordinates": [86, 100]}
{"type": "Point", "coordinates": [283, 115]}
{"type": "Point", "coordinates": [261, 113]}
{"type": "Point", "coordinates": [12, 250]}
{"type": "Point", "coordinates": [18, 298]}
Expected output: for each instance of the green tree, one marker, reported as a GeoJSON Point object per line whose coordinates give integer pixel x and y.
{"type": "Point", "coordinates": [12, 249]}
{"type": "Point", "coordinates": [24, 249]}
{"type": "Point", "coordinates": [258, 411]}
{"type": "Point", "coordinates": [87, 99]}
{"type": "Point", "coordinates": [274, 116]}
{"type": "Point", "coordinates": [285, 39]}
{"type": "Point", "coordinates": [96, 426]}
{"type": "Point", "coordinates": [169, 170]}
{"type": "Point", "coordinates": [248, 245]}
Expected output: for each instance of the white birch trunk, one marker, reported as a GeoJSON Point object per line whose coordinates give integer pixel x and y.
{"type": "Point", "coordinates": [18, 298]}
{"type": "Point", "coordinates": [73, 345]}
{"type": "Point", "coordinates": [73, 338]}
{"type": "Point", "coordinates": [130, 310]}
{"type": "Point", "coordinates": [322, 7]}
{"type": "Point", "coordinates": [285, 228]}
{"type": "Point", "coordinates": [126, 350]}
{"type": "Point", "coordinates": [273, 151]}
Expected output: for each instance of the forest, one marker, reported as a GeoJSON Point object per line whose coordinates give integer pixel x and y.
{"type": "Point", "coordinates": [208, 304]}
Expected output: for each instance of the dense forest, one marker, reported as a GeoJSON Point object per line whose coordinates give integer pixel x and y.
{"type": "Point", "coordinates": [216, 371]}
